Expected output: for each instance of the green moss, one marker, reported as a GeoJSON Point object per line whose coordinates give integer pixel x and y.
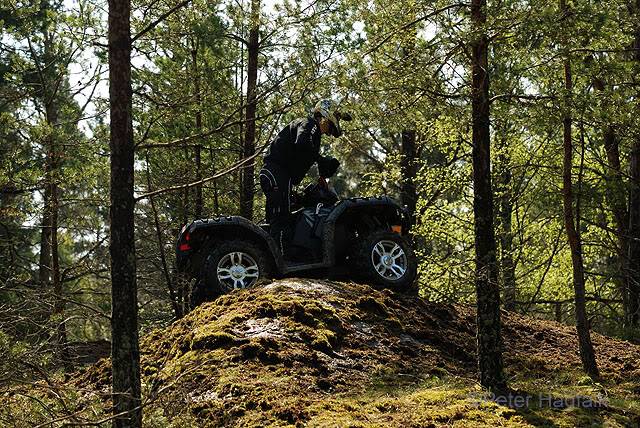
{"type": "Point", "coordinates": [213, 340]}
{"type": "Point", "coordinates": [585, 380]}
{"type": "Point", "coordinates": [316, 353]}
{"type": "Point", "coordinates": [417, 406]}
{"type": "Point", "coordinates": [372, 305]}
{"type": "Point", "coordinates": [324, 340]}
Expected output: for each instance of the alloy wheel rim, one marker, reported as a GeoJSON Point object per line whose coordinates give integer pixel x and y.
{"type": "Point", "coordinates": [389, 260]}
{"type": "Point", "coordinates": [237, 270]}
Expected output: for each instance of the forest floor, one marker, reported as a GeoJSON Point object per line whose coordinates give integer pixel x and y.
{"type": "Point", "coordinates": [319, 353]}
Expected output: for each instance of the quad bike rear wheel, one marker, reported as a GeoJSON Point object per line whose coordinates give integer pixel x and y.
{"type": "Point", "coordinates": [230, 266]}
{"type": "Point", "coordinates": [387, 259]}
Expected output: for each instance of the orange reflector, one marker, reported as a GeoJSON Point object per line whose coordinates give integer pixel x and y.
{"type": "Point", "coordinates": [396, 229]}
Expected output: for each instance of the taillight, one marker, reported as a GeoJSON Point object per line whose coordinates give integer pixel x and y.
{"type": "Point", "coordinates": [185, 246]}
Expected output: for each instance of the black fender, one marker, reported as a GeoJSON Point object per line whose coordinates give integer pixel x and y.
{"type": "Point", "coordinates": [197, 235]}
{"type": "Point", "coordinates": [354, 204]}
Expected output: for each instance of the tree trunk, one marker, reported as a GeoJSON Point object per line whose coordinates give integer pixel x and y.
{"type": "Point", "coordinates": [616, 196]}
{"type": "Point", "coordinates": [216, 199]}
{"type": "Point", "coordinates": [44, 268]}
{"type": "Point", "coordinates": [573, 233]}
{"type": "Point", "coordinates": [249, 147]}
{"type": "Point", "coordinates": [489, 338]}
{"type": "Point", "coordinates": [186, 206]}
{"type": "Point", "coordinates": [125, 354]}
{"type": "Point", "coordinates": [51, 215]}
{"type": "Point", "coordinates": [182, 292]}
{"type": "Point", "coordinates": [49, 270]}
{"type": "Point", "coordinates": [198, 148]}
{"type": "Point", "coordinates": [58, 298]}
{"type": "Point", "coordinates": [558, 311]}
{"type": "Point", "coordinates": [408, 168]}
{"type": "Point", "coordinates": [49, 100]}
{"type": "Point", "coordinates": [634, 205]}
{"type": "Point", "coordinates": [409, 160]}
{"type": "Point", "coordinates": [241, 108]}
{"type": "Point", "coordinates": [634, 237]}
{"type": "Point", "coordinates": [178, 306]}
{"type": "Point", "coordinates": [507, 266]}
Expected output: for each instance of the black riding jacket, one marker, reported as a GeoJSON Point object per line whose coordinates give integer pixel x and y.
{"type": "Point", "coordinates": [296, 148]}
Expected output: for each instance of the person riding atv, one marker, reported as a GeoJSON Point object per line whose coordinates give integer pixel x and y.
{"type": "Point", "coordinates": [356, 237]}
{"type": "Point", "coordinates": [288, 159]}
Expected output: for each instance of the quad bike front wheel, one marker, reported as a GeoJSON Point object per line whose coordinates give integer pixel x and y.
{"type": "Point", "coordinates": [387, 259]}
{"type": "Point", "coordinates": [230, 266]}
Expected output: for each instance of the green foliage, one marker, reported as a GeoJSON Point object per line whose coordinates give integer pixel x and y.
{"type": "Point", "coordinates": [397, 66]}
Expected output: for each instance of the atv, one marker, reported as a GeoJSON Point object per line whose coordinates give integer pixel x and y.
{"type": "Point", "coordinates": [362, 237]}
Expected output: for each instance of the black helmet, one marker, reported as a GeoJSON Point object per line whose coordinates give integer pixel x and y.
{"type": "Point", "coordinates": [329, 109]}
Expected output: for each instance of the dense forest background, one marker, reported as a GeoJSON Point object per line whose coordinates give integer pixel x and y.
{"type": "Point", "coordinates": [213, 81]}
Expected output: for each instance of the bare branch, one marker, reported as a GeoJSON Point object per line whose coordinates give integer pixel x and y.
{"type": "Point", "coordinates": [161, 18]}
{"type": "Point", "coordinates": [229, 170]}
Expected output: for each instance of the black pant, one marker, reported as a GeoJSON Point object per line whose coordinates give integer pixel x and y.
{"type": "Point", "coordinates": [275, 182]}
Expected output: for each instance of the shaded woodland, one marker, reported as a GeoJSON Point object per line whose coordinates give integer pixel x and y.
{"type": "Point", "coordinates": [509, 129]}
